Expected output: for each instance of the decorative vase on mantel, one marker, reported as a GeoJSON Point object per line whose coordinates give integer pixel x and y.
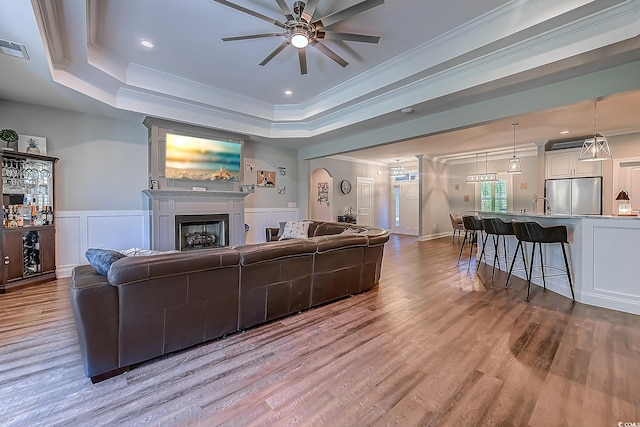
{"type": "Point", "coordinates": [8, 136]}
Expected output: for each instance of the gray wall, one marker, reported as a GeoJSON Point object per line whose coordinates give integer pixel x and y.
{"type": "Point", "coordinates": [435, 203]}
{"type": "Point", "coordinates": [265, 157]}
{"type": "Point", "coordinates": [343, 169]}
{"type": "Point", "coordinates": [522, 194]}
{"type": "Point", "coordinates": [103, 161]}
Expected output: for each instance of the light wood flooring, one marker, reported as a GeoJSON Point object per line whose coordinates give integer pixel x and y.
{"type": "Point", "coordinates": [434, 344]}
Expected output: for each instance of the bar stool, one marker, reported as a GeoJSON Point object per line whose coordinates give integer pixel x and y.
{"type": "Point", "coordinates": [472, 225]}
{"type": "Point", "coordinates": [496, 228]}
{"type": "Point", "coordinates": [537, 234]}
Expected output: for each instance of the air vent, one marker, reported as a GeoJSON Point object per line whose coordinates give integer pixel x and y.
{"type": "Point", "coordinates": [14, 49]}
{"type": "Point", "coordinates": [563, 144]}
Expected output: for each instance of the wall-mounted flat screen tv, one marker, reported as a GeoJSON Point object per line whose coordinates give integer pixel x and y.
{"type": "Point", "coordinates": [202, 159]}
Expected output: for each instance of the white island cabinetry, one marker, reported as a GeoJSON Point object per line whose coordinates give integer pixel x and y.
{"type": "Point", "coordinates": [603, 257]}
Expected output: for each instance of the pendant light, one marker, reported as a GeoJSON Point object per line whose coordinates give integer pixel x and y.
{"type": "Point", "coordinates": [514, 166]}
{"type": "Point", "coordinates": [398, 170]}
{"type": "Point", "coordinates": [596, 148]}
{"type": "Point", "coordinates": [482, 177]}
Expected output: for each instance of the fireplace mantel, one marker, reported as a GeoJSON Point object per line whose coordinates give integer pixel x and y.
{"type": "Point", "coordinates": [163, 205]}
{"type": "Point", "coordinates": [190, 194]}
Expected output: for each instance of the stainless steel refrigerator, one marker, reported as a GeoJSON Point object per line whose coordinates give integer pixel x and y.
{"type": "Point", "coordinates": [575, 196]}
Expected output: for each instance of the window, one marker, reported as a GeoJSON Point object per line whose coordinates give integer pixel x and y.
{"type": "Point", "coordinates": [396, 195]}
{"type": "Point", "coordinates": [493, 196]}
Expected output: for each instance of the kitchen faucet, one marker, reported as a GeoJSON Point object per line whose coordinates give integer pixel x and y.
{"type": "Point", "coordinates": [549, 210]}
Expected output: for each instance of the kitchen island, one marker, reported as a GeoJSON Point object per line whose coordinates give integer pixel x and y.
{"type": "Point", "coordinates": [604, 258]}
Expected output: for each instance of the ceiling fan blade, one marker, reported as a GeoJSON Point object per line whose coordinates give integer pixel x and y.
{"type": "Point", "coordinates": [252, 13]}
{"type": "Point", "coordinates": [275, 52]}
{"type": "Point", "coordinates": [348, 12]}
{"type": "Point", "coordinates": [252, 36]}
{"type": "Point", "coordinates": [286, 11]}
{"type": "Point", "coordinates": [309, 10]}
{"type": "Point", "coordinates": [331, 54]}
{"type": "Point", "coordinates": [330, 35]}
{"type": "Point", "coordinates": [302, 57]}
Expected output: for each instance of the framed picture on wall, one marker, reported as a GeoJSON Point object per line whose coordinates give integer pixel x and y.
{"type": "Point", "coordinates": [32, 144]}
{"type": "Point", "coordinates": [266, 179]}
{"type": "Point", "coordinates": [323, 192]}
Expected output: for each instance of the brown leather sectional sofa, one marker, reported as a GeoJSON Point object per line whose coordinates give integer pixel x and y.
{"type": "Point", "coordinates": [148, 306]}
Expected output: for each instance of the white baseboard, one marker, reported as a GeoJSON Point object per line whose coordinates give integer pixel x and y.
{"type": "Point", "coordinates": [433, 236]}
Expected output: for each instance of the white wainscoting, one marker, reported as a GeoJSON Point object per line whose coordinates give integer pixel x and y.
{"type": "Point", "coordinates": [261, 218]}
{"type": "Point", "coordinates": [77, 231]}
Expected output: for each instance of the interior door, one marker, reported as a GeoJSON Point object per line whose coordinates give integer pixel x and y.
{"type": "Point", "coordinates": [365, 200]}
{"type": "Point", "coordinates": [409, 199]}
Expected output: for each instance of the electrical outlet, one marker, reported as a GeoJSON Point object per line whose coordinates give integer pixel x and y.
{"type": "Point", "coordinates": [292, 204]}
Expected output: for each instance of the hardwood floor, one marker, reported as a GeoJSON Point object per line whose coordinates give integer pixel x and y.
{"type": "Point", "coordinates": [434, 344]}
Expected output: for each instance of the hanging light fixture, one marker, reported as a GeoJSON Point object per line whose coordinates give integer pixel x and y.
{"type": "Point", "coordinates": [398, 170]}
{"type": "Point", "coordinates": [482, 177]}
{"type": "Point", "coordinates": [596, 148]}
{"type": "Point", "coordinates": [514, 163]}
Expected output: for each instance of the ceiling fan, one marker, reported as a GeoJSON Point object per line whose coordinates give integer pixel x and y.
{"type": "Point", "coordinates": [301, 29]}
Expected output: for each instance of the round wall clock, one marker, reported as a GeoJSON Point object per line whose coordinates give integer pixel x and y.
{"type": "Point", "coordinates": [345, 186]}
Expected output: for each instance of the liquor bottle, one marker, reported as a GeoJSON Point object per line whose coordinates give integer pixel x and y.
{"type": "Point", "coordinates": [49, 215]}
{"type": "Point", "coordinates": [18, 216]}
{"type": "Point", "coordinates": [11, 222]}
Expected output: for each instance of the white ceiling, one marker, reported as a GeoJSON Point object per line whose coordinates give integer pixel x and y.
{"type": "Point", "coordinates": [433, 55]}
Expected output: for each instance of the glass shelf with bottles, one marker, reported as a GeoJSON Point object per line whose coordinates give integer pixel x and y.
{"type": "Point", "coordinates": [27, 192]}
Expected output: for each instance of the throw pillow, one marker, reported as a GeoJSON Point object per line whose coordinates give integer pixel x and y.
{"type": "Point", "coordinates": [101, 259]}
{"type": "Point", "coordinates": [281, 230]}
{"type": "Point", "coordinates": [295, 230]}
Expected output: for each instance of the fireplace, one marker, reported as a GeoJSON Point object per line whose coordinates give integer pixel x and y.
{"type": "Point", "coordinates": [207, 213]}
{"type": "Point", "coordinates": [201, 231]}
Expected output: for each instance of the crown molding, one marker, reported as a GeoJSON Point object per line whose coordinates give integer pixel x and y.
{"type": "Point", "coordinates": [493, 46]}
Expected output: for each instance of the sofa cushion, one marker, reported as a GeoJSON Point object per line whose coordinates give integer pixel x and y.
{"type": "Point", "coordinates": [261, 252]}
{"type": "Point", "coordinates": [145, 252]}
{"type": "Point", "coordinates": [328, 229]}
{"type": "Point", "coordinates": [101, 259]}
{"type": "Point", "coordinates": [350, 231]}
{"type": "Point", "coordinates": [295, 230]}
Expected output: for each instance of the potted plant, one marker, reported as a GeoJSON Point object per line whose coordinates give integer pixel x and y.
{"type": "Point", "coordinates": [8, 136]}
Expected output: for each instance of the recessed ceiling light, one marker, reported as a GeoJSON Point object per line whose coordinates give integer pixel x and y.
{"type": "Point", "coordinates": [146, 43]}
{"type": "Point", "coordinates": [564, 132]}
{"type": "Point", "coordinates": [288, 92]}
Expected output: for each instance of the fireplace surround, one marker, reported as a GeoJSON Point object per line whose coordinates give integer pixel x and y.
{"type": "Point", "coordinates": [166, 207]}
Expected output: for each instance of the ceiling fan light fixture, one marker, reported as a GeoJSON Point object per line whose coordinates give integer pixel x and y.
{"type": "Point", "coordinates": [300, 38]}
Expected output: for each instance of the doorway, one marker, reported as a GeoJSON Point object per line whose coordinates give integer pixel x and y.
{"type": "Point", "coordinates": [405, 201]}
{"type": "Point", "coordinates": [364, 201]}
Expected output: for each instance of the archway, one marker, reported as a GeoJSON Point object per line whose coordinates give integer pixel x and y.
{"type": "Point", "coordinates": [321, 195]}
